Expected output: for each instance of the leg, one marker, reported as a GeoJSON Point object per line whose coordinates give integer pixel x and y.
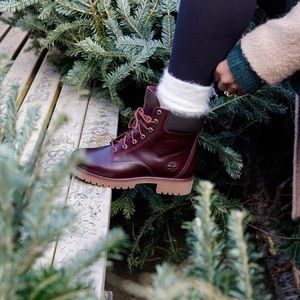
{"type": "Point", "coordinates": [205, 33]}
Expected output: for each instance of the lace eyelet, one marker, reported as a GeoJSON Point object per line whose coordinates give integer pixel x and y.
{"type": "Point", "coordinates": [125, 146]}
{"type": "Point", "coordinates": [115, 149]}
{"type": "Point", "coordinates": [142, 136]}
{"type": "Point", "coordinates": [155, 121]}
{"type": "Point", "coordinates": [134, 142]}
{"type": "Point", "coordinates": [150, 130]}
{"type": "Point", "coordinates": [158, 112]}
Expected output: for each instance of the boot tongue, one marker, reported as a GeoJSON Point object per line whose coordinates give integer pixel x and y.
{"type": "Point", "coordinates": [150, 101]}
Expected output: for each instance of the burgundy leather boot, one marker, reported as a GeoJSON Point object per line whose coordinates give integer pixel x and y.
{"type": "Point", "coordinates": [159, 148]}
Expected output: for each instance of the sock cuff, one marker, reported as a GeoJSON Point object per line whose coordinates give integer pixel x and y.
{"type": "Point", "coordinates": [182, 97]}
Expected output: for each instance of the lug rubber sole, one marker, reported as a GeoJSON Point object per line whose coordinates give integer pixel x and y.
{"type": "Point", "coordinates": [166, 186]}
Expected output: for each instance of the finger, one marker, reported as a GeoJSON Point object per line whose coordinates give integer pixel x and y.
{"type": "Point", "coordinates": [236, 89]}
{"type": "Point", "coordinates": [240, 92]}
{"type": "Point", "coordinates": [222, 87]}
{"type": "Point", "coordinates": [217, 76]}
{"type": "Point", "coordinates": [232, 89]}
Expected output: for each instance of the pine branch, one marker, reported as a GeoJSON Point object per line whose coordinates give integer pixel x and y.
{"type": "Point", "coordinates": [92, 48]}
{"type": "Point", "coordinates": [28, 23]}
{"type": "Point", "coordinates": [16, 5]}
{"type": "Point", "coordinates": [238, 255]}
{"type": "Point", "coordinates": [25, 131]}
{"type": "Point", "coordinates": [124, 11]}
{"type": "Point", "coordinates": [80, 74]}
{"type": "Point", "coordinates": [168, 23]}
{"type": "Point", "coordinates": [10, 122]}
{"type": "Point", "coordinates": [113, 243]}
{"type": "Point", "coordinates": [65, 28]}
{"type": "Point", "coordinates": [231, 160]}
{"type": "Point", "coordinates": [203, 237]}
{"type": "Point", "coordinates": [69, 8]}
{"type": "Point", "coordinates": [45, 11]}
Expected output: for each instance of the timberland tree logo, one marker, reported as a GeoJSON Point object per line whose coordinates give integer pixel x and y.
{"type": "Point", "coordinates": [172, 165]}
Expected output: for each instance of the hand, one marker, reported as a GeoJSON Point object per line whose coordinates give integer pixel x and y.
{"type": "Point", "coordinates": [225, 79]}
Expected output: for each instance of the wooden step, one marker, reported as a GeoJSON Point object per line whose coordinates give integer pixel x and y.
{"type": "Point", "coordinates": [91, 203]}
{"type": "Point", "coordinates": [23, 71]}
{"type": "Point", "coordinates": [43, 94]}
{"type": "Point", "coordinates": [65, 140]}
{"type": "Point", "coordinates": [4, 28]}
{"type": "Point", "coordinates": [91, 122]}
{"type": "Point", "coordinates": [13, 42]}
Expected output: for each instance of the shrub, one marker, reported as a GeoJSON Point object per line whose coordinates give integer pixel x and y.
{"type": "Point", "coordinates": [31, 221]}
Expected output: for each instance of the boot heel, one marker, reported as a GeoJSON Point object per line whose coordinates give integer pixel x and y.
{"type": "Point", "coordinates": [174, 187]}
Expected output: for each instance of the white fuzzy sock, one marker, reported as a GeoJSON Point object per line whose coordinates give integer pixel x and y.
{"type": "Point", "coordinates": [183, 98]}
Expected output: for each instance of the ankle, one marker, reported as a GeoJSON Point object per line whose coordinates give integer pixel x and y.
{"type": "Point", "coordinates": [183, 98]}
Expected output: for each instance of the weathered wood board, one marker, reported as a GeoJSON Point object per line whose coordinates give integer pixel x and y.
{"type": "Point", "coordinates": [64, 140]}
{"type": "Point", "coordinates": [42, 94]}
{"type": "Point", "coordinates": [4, 28]}
{"type": "Point", "coordinates": [13, 42]}
{"type": "Point", "coordinates": [22, 72]}
{"type": "Point", "coordinates": [91, 203]}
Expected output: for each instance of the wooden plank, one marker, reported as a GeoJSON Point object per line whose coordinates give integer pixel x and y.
{"type": "Point", "coordinates": [108, 296]}
{"type": "Point", "coordinates": [22, 71]}
{"type": "Point", "coordinates": [65, 140]}
{"type": "Point", "coordinates": [13, 42]}
{"type": "Point", "coordinates": [4, 28]}
{"type": "Point", "coordinates": [91, 203]}
{"type": "Point", "coordinates": [43, 94]}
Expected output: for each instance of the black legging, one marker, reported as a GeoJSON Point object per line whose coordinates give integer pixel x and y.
{"type": "Point", "coordinates": [206, 30]}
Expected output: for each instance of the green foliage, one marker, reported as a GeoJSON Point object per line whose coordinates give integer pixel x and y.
{"type": "Point", "coordinates": [159, 221]}
{"type": "Point", "coordinates": [113, 41]}
{"type": "Point", "coordinates": [255, 108]}
{"type": "Point", "coordinates": [126, 43]}
{"type": "Point", "coordinates": [216, 268]}
{"type": "Point", "coordinates": [122, 41]}
{"type": "Point", "coordinates": [31, 219]}
{"type": "Point", "coordinates": [153, 226]}
{"type": "Point", "coordinates": [231, 160]}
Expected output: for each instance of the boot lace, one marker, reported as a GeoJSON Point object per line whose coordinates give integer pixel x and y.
{"type": "Point", "coordinates": [140, 120]}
